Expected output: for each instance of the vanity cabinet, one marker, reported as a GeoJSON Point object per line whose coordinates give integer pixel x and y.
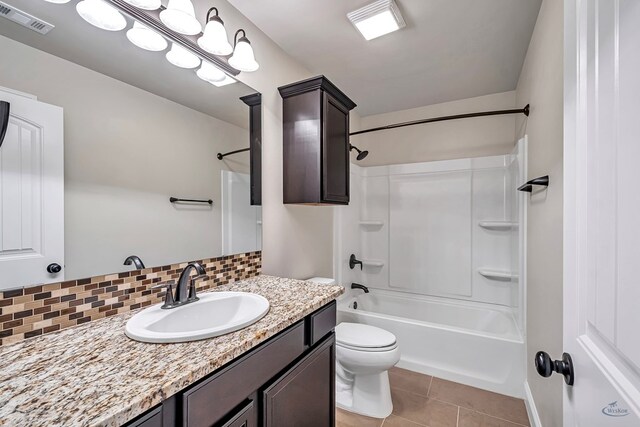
{"type": "Point", "coordinates": [315, 142]}
{"type": "Point", "coordinates": [304, 395]}
{"type": "Point", "coordinates": [289, 380]}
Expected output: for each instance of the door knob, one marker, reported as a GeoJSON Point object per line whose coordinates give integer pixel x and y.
{"type": "Point", "coordinates": [545, 366]}
{"type": "Point", "coordinates": [54, 268]}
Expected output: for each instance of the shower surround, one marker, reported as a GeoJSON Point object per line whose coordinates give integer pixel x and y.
{"type": "Point", "coordinates": [442, 248]}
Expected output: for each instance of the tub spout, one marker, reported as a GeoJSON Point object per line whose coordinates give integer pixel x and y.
{"type": "Point", "coordinates": [359, 286]}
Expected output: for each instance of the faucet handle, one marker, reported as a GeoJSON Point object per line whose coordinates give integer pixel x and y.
{"type": "Point", "coordinates": [192, 287]}
{"type": "Point", "coordinates": [169, 301]}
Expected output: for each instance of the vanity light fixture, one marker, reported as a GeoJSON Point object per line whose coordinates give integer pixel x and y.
{"type": "Point", "coordinates": [102, 15]}
{"type": "Point", "coordinates": [215, 40]}
{"type": "Point", "coordinates": [210, 73]}
{"type": "Point", "coordinates": [180, 17]}
{"type": "Point", "coordinates": [145, 38]}
{"type": "Point", "coordinates": [243, 58]}
{"type": "Point", "coordinates": [181, 57]}
{"type": "Point", "coordinates": [145, 4]}
{"type": "Point", "coordinates": [227, 81]}
{"type": "Point", "coordinates": [377, 19]}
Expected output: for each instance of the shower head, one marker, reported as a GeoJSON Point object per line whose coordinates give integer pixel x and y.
{"type": "Point", "coordinates": [361, 154]}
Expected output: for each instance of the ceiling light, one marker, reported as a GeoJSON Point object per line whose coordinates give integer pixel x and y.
{"type": "Point", "coordinates": [214, 40]}
{"type": "Point", "coordinates": [227, 81]}
{"type": "Point", "coordinates": [181, 17]}
{"type": "Point", "coordinates": [181, 57]}
{"type": "Point", "coordinates": [102, 15]}
{"type": "Point", "coordinates": [377, 19]}
{"type": "Point", "coordinates": [243, 58]}
{"type": "Point", "coordinates": [210, 73]}
{"type": "Point", "coordinates": [145, 4]}
{"type": "Point", "coordinates": [58, 1]}
{"type": "Point", "coordinates": [145, 38]}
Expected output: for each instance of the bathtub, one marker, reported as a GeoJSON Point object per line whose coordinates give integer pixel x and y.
{"type": "Point", "coordinates": [470, 343]}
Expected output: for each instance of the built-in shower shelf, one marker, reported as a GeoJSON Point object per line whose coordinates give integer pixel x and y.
{"type": "Point", "coordinates": [498, 225]}
{"type": "Point", "coordinates": [367, 223]}
{"type": "Point", "coordinates": [373, 262]}
{"type": "Point", "coordinates": [497, 274]}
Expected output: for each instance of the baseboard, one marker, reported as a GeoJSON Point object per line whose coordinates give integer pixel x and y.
{"type": "Point", "coordinates": [532, 411]}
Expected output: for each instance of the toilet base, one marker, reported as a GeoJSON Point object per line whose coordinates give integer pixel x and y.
{"type": "Point", "coordinates": [368, 395]}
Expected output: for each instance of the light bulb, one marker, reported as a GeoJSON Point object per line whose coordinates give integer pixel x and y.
{"type": "Point", "coordinates": [181, 17]}
{"type": "Point", "coordinates": [242, 58]}
{"type": "Point", "coordinates": [214, 40]}
{"type": "Point", "coordinates": [210, 73]}
{"type": "Point", "coordinates": [102, 15]}
{"type": "Point", "coordinates": [227, 81]}
{"type": "Point", "coordinates": [181, 57]}
{"type": "Point", "coordinates": [145, 4]}
{"type": "Point", "coordinates": [145, 38]}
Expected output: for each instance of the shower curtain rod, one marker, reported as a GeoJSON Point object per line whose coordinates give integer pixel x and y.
{"type": "Point", "coordinates": [524, 111]}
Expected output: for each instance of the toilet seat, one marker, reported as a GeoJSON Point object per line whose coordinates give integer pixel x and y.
{"type": "Point", "coordinates": [366, 338]}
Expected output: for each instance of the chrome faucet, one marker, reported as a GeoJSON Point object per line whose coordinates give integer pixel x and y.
{"type": "Point", "coordinates": [186, 288]}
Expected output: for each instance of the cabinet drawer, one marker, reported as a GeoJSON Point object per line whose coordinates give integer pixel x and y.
{"type": "Point", "coordinates": [320, 323]}
{"type": "Point", "coordinates": [209, 401]}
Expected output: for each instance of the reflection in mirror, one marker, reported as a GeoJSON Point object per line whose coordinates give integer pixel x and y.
{"type": "Point", "coordinates": [101, 134]}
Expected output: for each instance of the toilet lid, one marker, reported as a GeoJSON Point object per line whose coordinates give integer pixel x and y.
{"type": "Point", "coordinates": [363, 336]}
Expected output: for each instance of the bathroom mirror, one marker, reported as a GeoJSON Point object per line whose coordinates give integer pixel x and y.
{"type": "Point", "coordinates": [130, 130]}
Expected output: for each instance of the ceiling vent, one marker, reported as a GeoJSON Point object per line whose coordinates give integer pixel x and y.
{"type": "Point", "coordinates": [24, 19]}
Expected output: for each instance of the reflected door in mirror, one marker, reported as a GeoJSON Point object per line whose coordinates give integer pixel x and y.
{"type": "Point", "coordinates": [32, 193]}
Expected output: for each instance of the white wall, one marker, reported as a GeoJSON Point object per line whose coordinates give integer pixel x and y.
{"type": "Point", "coordinates": [541, 85]}
{"type": "Point", "coordinates": [297, 240]}
{"type": "Point", "coordinates": [455, 139]}
{"type": "Point", "coordinates": [126, 152]}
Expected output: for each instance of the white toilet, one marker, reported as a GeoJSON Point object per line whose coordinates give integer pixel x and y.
{"type": "Point", "coordinates": [364, 354]}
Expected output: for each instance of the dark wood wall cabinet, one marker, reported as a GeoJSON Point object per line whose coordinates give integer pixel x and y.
{"type": "Point", "coordinates": [254, 101]}
{"type": "Point", "coordinates": [289, 380]}
{"type": "Point", "coordinates": [315, 142]}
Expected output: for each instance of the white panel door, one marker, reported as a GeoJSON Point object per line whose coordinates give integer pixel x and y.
{"type": "Point", "coordinates": [602, 212]}
{"type": "Point", "coordinates": [31, 193]}
{"type": "Point", "coordinates": [241, 222]}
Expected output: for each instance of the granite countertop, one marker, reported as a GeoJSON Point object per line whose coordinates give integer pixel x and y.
{"type": "Point", "coordinates": [94, 375]}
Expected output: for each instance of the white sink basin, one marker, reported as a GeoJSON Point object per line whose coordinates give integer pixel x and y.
{"type": "Point", "coordinates": [216, 313]}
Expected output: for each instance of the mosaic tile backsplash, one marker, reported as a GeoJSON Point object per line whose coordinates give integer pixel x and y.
{"type": "Point", "coordinates": [37, 310]}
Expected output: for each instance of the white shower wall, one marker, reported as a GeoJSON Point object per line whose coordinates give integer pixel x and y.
{"type": "Point", "coordinates": [417, 228]}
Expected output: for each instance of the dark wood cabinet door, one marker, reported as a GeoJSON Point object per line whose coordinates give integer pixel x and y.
{"type": "Point", "coordinates": [305, 395]}
{"type": "Point", "coordinates": [244, 417]}
{"type": "Point", "coordinates": [335, 151]}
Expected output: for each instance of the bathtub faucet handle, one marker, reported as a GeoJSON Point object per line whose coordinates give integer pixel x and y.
{"type": "Point", "coordinates": [353, 261]}
{"type": "Point", "coordinates": [359, 286]}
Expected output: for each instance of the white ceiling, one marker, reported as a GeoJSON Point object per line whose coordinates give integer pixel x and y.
{"type": "Point", "coordinates": [113, 55]}
{"type": "Point", "coordinates": [449, 50]}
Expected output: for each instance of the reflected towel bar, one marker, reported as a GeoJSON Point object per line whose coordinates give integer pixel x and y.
{"type": "Point", "coordinates": [175, 200]}
{"type": "Point", "coordinates": [542, 181]}
{"type": "Point", "coordinates": [222, 156]}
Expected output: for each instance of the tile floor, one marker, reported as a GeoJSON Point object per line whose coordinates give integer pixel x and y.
{"type": "Point", "coordinates": [421, 400]}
